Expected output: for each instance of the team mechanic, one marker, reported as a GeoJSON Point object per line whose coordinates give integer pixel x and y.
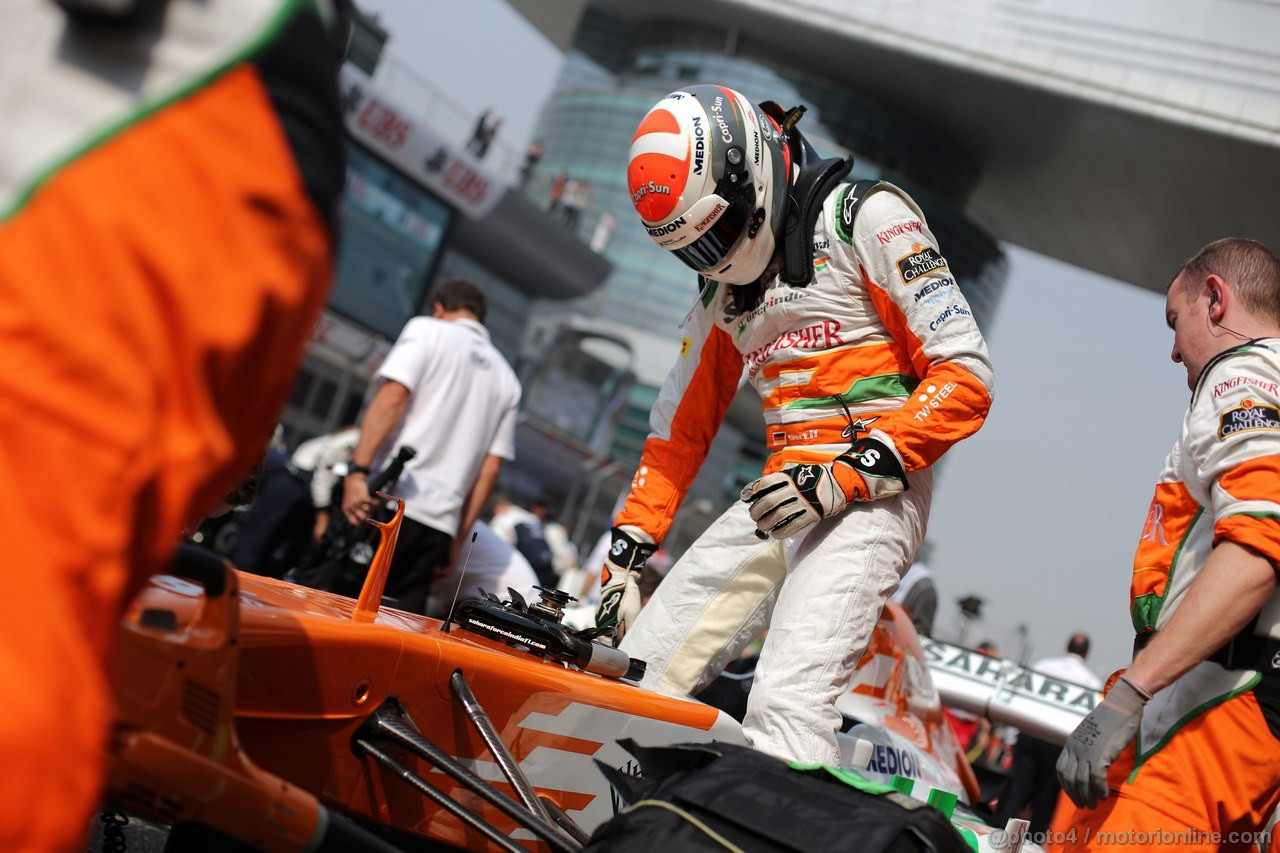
{"type": "Point", "coordinates": [848, 321]}
{"type": "Point", "coordinates": [1186, 738]}
{"type": "Point", "coordinates": [169, 180]}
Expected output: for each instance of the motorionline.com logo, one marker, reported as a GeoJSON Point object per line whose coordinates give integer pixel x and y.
{"type": "Point", "coordinates": [1179, 838]}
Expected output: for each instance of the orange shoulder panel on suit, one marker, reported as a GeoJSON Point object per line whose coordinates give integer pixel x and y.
{"type": "Point", "coordinates": [155, 294]}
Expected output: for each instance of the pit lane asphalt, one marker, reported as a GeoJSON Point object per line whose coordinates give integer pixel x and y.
{"type": "Point", "coordinates": [141, 836]}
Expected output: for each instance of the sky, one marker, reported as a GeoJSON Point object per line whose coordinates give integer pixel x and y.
{"type": "Point", "coordinates": [1040, 512]}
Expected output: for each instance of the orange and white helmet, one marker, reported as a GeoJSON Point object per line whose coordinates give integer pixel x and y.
{"type": "Point", "coordinates": [708, 174]}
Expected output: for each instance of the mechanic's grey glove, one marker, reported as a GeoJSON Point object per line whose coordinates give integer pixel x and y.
{"type": "Point", "coordinates": [620, 594]}
{"type": "Point", "coordinates": [1109, 728]}
{"type": "Point", "coordinates": [785, 502]}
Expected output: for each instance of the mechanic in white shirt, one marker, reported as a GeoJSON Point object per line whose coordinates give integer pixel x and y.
{"type": "Point", "coordinates": [448, 393]}
{"type": "Point", "coordinates": [317, 457]}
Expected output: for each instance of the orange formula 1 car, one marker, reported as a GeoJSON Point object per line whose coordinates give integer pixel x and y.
{"type": "Point", "coordinates": [267, 716]}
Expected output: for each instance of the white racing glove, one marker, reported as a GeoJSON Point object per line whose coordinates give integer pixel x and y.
{"type": "Point", "coordinates": [788, 501]}
{"type": "Point", "coordinates": [1109, 728]}
{"type": "Point", "coordinates": [619, 593]}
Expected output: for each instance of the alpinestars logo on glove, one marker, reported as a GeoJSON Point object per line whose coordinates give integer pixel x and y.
{"type": "Point", "coordinates": [609, 608]}
{"type": "Point", "coordinates": [810, 480]}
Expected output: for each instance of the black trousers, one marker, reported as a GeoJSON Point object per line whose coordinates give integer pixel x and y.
{"type": "Point", "coordinates": [420, 550]}
{"type": "Point", "coordinates": [1034, 782]}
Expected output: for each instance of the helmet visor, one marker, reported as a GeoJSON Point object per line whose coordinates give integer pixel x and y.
{"type": "Point", "coordinates": [714, 245]}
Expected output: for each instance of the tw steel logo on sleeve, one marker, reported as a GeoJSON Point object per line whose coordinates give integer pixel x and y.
{"type": "Point", "coordinates": [922, 260]}
{"type": "Point", "coordinates": [932, 397]}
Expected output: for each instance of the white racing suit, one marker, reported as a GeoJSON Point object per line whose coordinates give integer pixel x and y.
{"type": "Point", "coordinates": [881, 339]}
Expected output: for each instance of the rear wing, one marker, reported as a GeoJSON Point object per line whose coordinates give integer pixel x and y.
{"type": "Point", "coordinates": [1006, 692]}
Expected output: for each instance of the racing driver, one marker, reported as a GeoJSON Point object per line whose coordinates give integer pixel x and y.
{"type": "Point", "coordinates": [835, 301]}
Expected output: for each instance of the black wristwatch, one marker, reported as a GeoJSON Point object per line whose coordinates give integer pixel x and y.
{"type": "Point", "coordinates": [358, 469]}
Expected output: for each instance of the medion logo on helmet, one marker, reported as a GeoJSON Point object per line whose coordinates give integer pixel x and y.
{"type": "Point", "coordinates": [699, 145]}
{"type": "Point", "coordinates": [662, 230]}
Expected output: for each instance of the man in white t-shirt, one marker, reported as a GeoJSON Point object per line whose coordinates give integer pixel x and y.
{"type": "Point", "coordinates": [448, 393]}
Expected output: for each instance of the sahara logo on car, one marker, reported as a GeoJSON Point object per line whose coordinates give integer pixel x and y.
{"type": "Point", "coordinates": [1012, 679]}
{"type": "Point", "coordinates": [923, 259]}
